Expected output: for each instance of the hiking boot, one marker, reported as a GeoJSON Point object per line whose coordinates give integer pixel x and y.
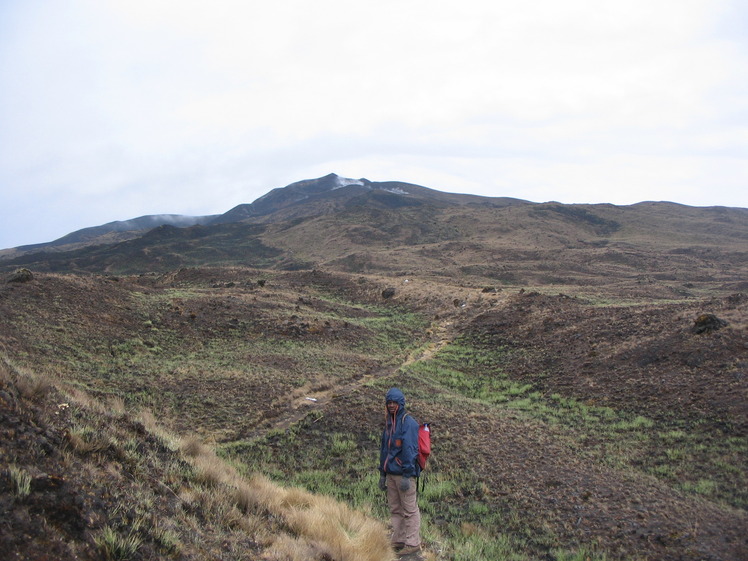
{"type": "Point", "coordinates": [408, 549]}
{"type": "Point", "coordinates": [398, 546]}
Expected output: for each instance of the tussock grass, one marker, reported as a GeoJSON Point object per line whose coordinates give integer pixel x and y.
{"type": "Point", "coordinates": [85, 440]}
{"type": "Point", "coordinates": [116, 547]}
{"type": "Point", "coordinates": [167, 539]}
{"type": "Point", "coordinates": [194, 447]}
{"type": "Point", "coordinates": [322, 525]}
{"type": "Point", "coordinates": [327, 526]}
{"type": "Point", "coordinates": [284, 523]}
{"type": "Point", "coordinates": [151, 424]}
{"type": "Point", "coordinates": [116, 406]}
{"type": "Point", "coordinates": [34, 387]}
{"type": "Point", "coordinates": [30, 385]}
{"type": "Point", "coordinates": [20, 481]}
{"type": "Point", "coordinates": [83, 399]}
{"type": "Point", "coordinates": [347, 534]}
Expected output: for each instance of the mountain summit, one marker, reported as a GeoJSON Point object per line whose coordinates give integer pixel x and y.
{"type": "Point", "coordinates": [312, 197]}
{"type": "Point", "coordinates": [292, 195]}
{"type": "Point", "coordinates": [362, 226]}
{"type": "Point", "coordinates": [302, 199]}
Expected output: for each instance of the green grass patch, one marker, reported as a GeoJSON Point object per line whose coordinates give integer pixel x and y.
{"type": "Point", "coordinates": [679, 453]}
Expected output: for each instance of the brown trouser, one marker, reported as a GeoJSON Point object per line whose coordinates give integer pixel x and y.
{"type": "Point", "coordinates": [406, 518]}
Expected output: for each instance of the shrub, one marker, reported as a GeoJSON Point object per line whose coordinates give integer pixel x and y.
{"type": "Point", "coordinates": [20, 481]}
{"type": "Point", "coordinates": [115, 547]}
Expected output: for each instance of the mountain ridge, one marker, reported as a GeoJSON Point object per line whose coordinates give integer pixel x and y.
{"type": "Point", "coordinates": [290, 199]}
{"type": "Point", "coordinates": [278, 202]}
{"type": "Point", "coordinates": [360, 226]}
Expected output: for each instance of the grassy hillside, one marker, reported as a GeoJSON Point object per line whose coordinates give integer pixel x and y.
{"type": "Point", "coordinates": [88, 479]}
{"type": "Point", "coordinates": [644, 251]}
{"type": "Point", "coordinates": [593, 424]}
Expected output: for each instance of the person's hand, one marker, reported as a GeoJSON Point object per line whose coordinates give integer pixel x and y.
{"type": "Point", "coordinates": [383, 482]}
{"type": "Point", "coordinates": [404, 484]}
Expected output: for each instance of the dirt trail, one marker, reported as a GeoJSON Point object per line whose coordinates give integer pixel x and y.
{"type": "Point", "coordinates": [443, 334]}
{"type": "Point", "coordinates": [306, 400]}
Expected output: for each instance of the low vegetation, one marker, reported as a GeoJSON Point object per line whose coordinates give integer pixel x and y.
{"type": "Point", "coordinates": [143, 492]}
{"type": "Point", "coordinates": [202, 414]}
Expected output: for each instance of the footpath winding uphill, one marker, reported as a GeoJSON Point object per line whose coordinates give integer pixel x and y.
{"type": "Point", "coordinates": [566, 483]}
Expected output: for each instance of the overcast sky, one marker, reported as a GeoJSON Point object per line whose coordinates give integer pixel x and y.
{"type": "Point", "coordinates": [114, 109]}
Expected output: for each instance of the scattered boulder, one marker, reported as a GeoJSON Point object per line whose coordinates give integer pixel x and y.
{"type": "Point", "coordinates": [388, 292]}
{"type": "Point", "coordinates": [706, 323]}
{"type": "Point", "coordinates": [21, 275]}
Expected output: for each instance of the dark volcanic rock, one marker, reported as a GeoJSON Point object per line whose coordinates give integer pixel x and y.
{"type": "Point", "coordinates": [706, 323]}
{"type": "Point", "coordinates": [21, 275]}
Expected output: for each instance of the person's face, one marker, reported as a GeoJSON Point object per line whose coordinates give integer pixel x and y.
{"type": "Point", "coordinates": [392, 407]}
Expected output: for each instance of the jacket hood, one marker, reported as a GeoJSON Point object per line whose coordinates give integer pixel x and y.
{"type": "Point", "coordinates": [397, 396]}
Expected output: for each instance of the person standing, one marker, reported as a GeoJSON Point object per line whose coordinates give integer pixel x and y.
{"type": "Point", "coordinates": [398, 467]}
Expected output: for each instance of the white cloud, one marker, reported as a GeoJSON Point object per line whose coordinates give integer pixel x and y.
{"type": "Point", "coordinates": [118, 109]}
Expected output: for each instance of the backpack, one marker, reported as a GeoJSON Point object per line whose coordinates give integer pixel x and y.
{"type": "Point", "coordinates": [424, 444]}
{"type": "Point", "coordinates": [424, 450]}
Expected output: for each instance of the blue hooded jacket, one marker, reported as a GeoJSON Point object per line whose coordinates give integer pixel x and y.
{"type": "Point", "coordinates": [399, 449]}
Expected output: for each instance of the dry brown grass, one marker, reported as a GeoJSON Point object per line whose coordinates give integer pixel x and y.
{"type": "Point", "coordinates": [289, 548]}
{"type": "Point", "coordinates": [210, 470]}
{"type": "Point", "coordinates": [30, 385]}
{"type": "Point", "coordinates": [289, 523]}
{"type": "Point", "coordinates": [347, 534]}
{"type": "Point", "coordinates": [84, 400]}
{"type": "Point", "coordinates": [332, 527]}
{"type": "Point", "coordinates": [319, 524]}
{"type": "Point", "coordinates": [116, 406]}
{"type": "Point", "coordinates": [83, 440]}
{"type": "Point", "coordinates": [34, 387]}
{"type": "Point", "coordinates": [193, 447]}
{"type": "Point", "coordinates": [151, 424]}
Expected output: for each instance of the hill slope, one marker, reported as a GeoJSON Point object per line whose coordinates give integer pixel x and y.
{"type": "Point", "coordinates": [584, 368]}
{"type": "Point", "coordinates": [109, 233]}
{"type": "Point", "coordinates": [87, 480]}
{"type": "Point", "coordinates": [358, 226]}
{"type": "Point", "coordinates": [559, 425]}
